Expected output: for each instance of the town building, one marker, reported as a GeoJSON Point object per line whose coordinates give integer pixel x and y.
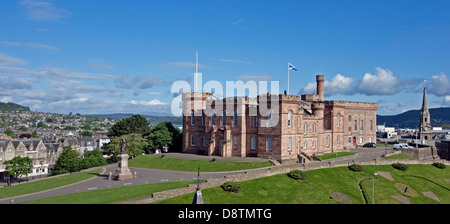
{"type": "Point", "coordinates": [292, 128]}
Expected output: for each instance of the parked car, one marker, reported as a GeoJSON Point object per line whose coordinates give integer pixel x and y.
{"type": "Point", "coordinates": [402, 146]}
{"type": "Point", "coordinates": [370, 145]}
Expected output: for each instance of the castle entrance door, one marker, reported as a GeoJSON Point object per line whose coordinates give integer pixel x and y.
{"type": "Point", "coordinates": [354, 141]}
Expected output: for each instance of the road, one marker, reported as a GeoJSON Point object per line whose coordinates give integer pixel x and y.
{"type": "Point", "coordinates": [146, 176]}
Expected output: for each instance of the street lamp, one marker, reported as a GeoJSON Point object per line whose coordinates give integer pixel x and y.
{"type": "Point", "coordinates": [373, 187]}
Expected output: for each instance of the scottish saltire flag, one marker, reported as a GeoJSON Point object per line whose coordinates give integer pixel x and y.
{"type": "Point", "coordinates": [291, 67]}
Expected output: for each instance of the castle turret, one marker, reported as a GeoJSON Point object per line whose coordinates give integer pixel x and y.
{"type": "Point", "coordinates": [320, 79]}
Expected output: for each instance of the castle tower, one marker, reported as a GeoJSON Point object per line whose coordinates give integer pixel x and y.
{"type": "Point", "coordinates": [320, 79]}
{"type": "Point", "coordinates": [425, 125]}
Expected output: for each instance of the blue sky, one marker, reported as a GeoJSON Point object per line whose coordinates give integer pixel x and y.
{"type": "Point", "coordinates": [123, 56]}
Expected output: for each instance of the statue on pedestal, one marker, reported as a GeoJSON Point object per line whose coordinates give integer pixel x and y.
{"type": "Point", "coordinates": [122, 172]}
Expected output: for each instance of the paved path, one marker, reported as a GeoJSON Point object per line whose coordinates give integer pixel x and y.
{"type": "Point", "coordinates": [145, 176]}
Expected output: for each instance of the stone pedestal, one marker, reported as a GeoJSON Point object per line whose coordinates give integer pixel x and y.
{"type": "Point", "coordinates": [122, 171]}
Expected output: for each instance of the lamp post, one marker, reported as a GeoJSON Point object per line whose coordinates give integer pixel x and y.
{"type": "Point", "coordinates": [373, 187]}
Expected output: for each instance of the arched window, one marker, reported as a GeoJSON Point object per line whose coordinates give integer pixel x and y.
{"type": "Point", "coordinates": [192, 140]}
{"type": "Point", "coordinates": [289, 144]}
{"type": "Point", "coordinates": [269, 144]}
{"type": "Point", "coordinates": [338, 121]}
{"type": "Point", "coordinates": [289, 119]}
{"type": "Point", "coordinates": [253, 143]}
{"type": "Point", "coordinates": [224, 118]}
{"type": "Point", "coordinates": [270, 119]}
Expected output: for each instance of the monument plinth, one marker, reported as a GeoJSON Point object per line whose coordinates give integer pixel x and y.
{"type": "Point", "coordinates": [122, 172]}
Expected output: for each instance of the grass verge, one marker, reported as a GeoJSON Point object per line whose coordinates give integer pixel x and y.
{"type": "Point", "coordinates": [281, 189]}
{"type": "Point", "coordinates": [108, 196]}
{"type": "Point", "coordinates": [168, 163]}
{"type": "Point", "coordinates": [46, 184]}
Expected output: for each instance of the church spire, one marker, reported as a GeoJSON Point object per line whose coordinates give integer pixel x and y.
{"type": "Point", "coordinates": [424, 101]}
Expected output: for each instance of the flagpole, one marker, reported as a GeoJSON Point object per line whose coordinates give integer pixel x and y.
{"type": "Point", "coordinates": [288, 79]}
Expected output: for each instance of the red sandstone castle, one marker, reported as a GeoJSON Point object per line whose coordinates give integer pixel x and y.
{"type": "Point", "coordinates": [291, 128]}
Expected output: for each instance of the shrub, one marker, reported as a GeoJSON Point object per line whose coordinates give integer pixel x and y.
{"type": "Point", "coordinates": [400, 166]}
{"type": "Point", "coordinates": [297, 174]}
{"type": "Point", "coordinates": [229, 186]}
{"type": "Point", "coordinates": [356, 167]}
{"type": "Point", "coordinates": [439, 165]}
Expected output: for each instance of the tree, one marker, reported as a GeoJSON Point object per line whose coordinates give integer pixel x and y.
{"type": "Point", "coordinates": [68, 161]}
{"type": "Point", "coordinates": [18, 166]}
{"type": "Point", "coordinates": [134, 124]}
{"type": "Point", "coordinates": [136, 145]}
{"type": "Point", "coordinates": [10, 133]}
{"type": "Point", "coordinates": [93, 159]}
{"type": "Point", "coordinates": [86, 134]}
{"type": "Point", "coordinates": [165, 134]}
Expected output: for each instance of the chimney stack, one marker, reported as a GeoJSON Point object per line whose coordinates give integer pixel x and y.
{"type": "Point", "coordinates": [320, 79]}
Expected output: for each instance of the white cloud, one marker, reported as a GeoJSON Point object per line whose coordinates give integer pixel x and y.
{"type": "Point", "coordinates": [102, 66]}
{"type": "Point", "coordinates": [439, 85]}
{"type": "Point", "coordinates": [44, 11]}
{"type": "Point", "coordinates": [232, 61]}
{"type": "Point", "coordinates": [187, 65]}
{"type": "Point", "coordinates": [30, 45]}
{"type": "Point", "coordinates": [339, 84]}
{"type": "Point", "coordinates": [10, 60]}
{"type": "Point", "coordinates": [382, 83]}
{"type": "Point", "coordinates": [154, 102]}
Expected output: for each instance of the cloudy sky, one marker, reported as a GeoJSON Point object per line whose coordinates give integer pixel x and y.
{"type": "Point", "coordinates": [109, 56]}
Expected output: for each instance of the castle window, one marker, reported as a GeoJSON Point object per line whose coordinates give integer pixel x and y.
{"type": "Point", "coordinates": [224, 118]}
{"type": "Point", "coordinates": [270, 118]}
{"type": "Point", "coordinates": [360, 140]}
{"type": "Point", "coordinates": [289, 144]}
{"type": "Point", "coordinates": [304, 145]}
{"type": "Point", "coordinates": [213, 117]}
{"type": "Point", "coordinates": [314, 144]}
{"type": "Point", "coordinates": [203, 120]}
{"type": "Point", "coordinates": [304, 128]}
{"type": "Point", "coordinates": [338, 121]}
{"type": "Point", "coordinates": [314, 128]}
{"type": "Point", "coordinates": [371, 125]}
{"type": "Point", "coordinates": [338, 139]}
{"type": "Point", "coordinates": [192, 119]}
{"type": "Point", "coordinates": [253, 143]}
{"type": "Point", "coordinates": [355, 126]}
{"type": "Point", "coordinates": [192, 140]}
{"type": "Point", "coordinates": [234, 142]}
{"type": "Point", "coordinates": [256, 121]}
{"type": "Point", "coordinates": [204, 141]}
{"type": "Point", "coordinates": [269, 144]}
{"type": "Point", "coordinates": [235, 119]}
{"type": "Point", "coordinates": [328, 140]}
{"type": "Point", "coordinates": [289, 119]}
{"type": "Point", "coordinates": [361, 124]}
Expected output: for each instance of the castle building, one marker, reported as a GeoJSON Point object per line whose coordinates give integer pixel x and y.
{"type": "Point", "coordinates": [425, 123]}
{"type": "Point", "coordinates": [292, 128]}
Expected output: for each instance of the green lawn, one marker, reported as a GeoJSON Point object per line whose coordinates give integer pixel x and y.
{"type": "Point", "coordinates": [46, 184]}
{"type": "Point", "coordinates": [335, 155]}
{"type": "Point", "coordinates": [191, 165]}
{"type": "Point", "coordinates": [107, 196]}
{"type": "Point", "coordinates": [281, 189]}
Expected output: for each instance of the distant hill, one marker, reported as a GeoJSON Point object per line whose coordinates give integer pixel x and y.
{"type": "Point", "coordinates": [410, 119]}
{"type": "Point", "coordinates": [153, 120]}
{"type": "Point", "coordinates": [12, 107]}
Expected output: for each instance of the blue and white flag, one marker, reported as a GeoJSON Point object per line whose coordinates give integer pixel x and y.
{"type": "Point", "coordinates": [291, 67]}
